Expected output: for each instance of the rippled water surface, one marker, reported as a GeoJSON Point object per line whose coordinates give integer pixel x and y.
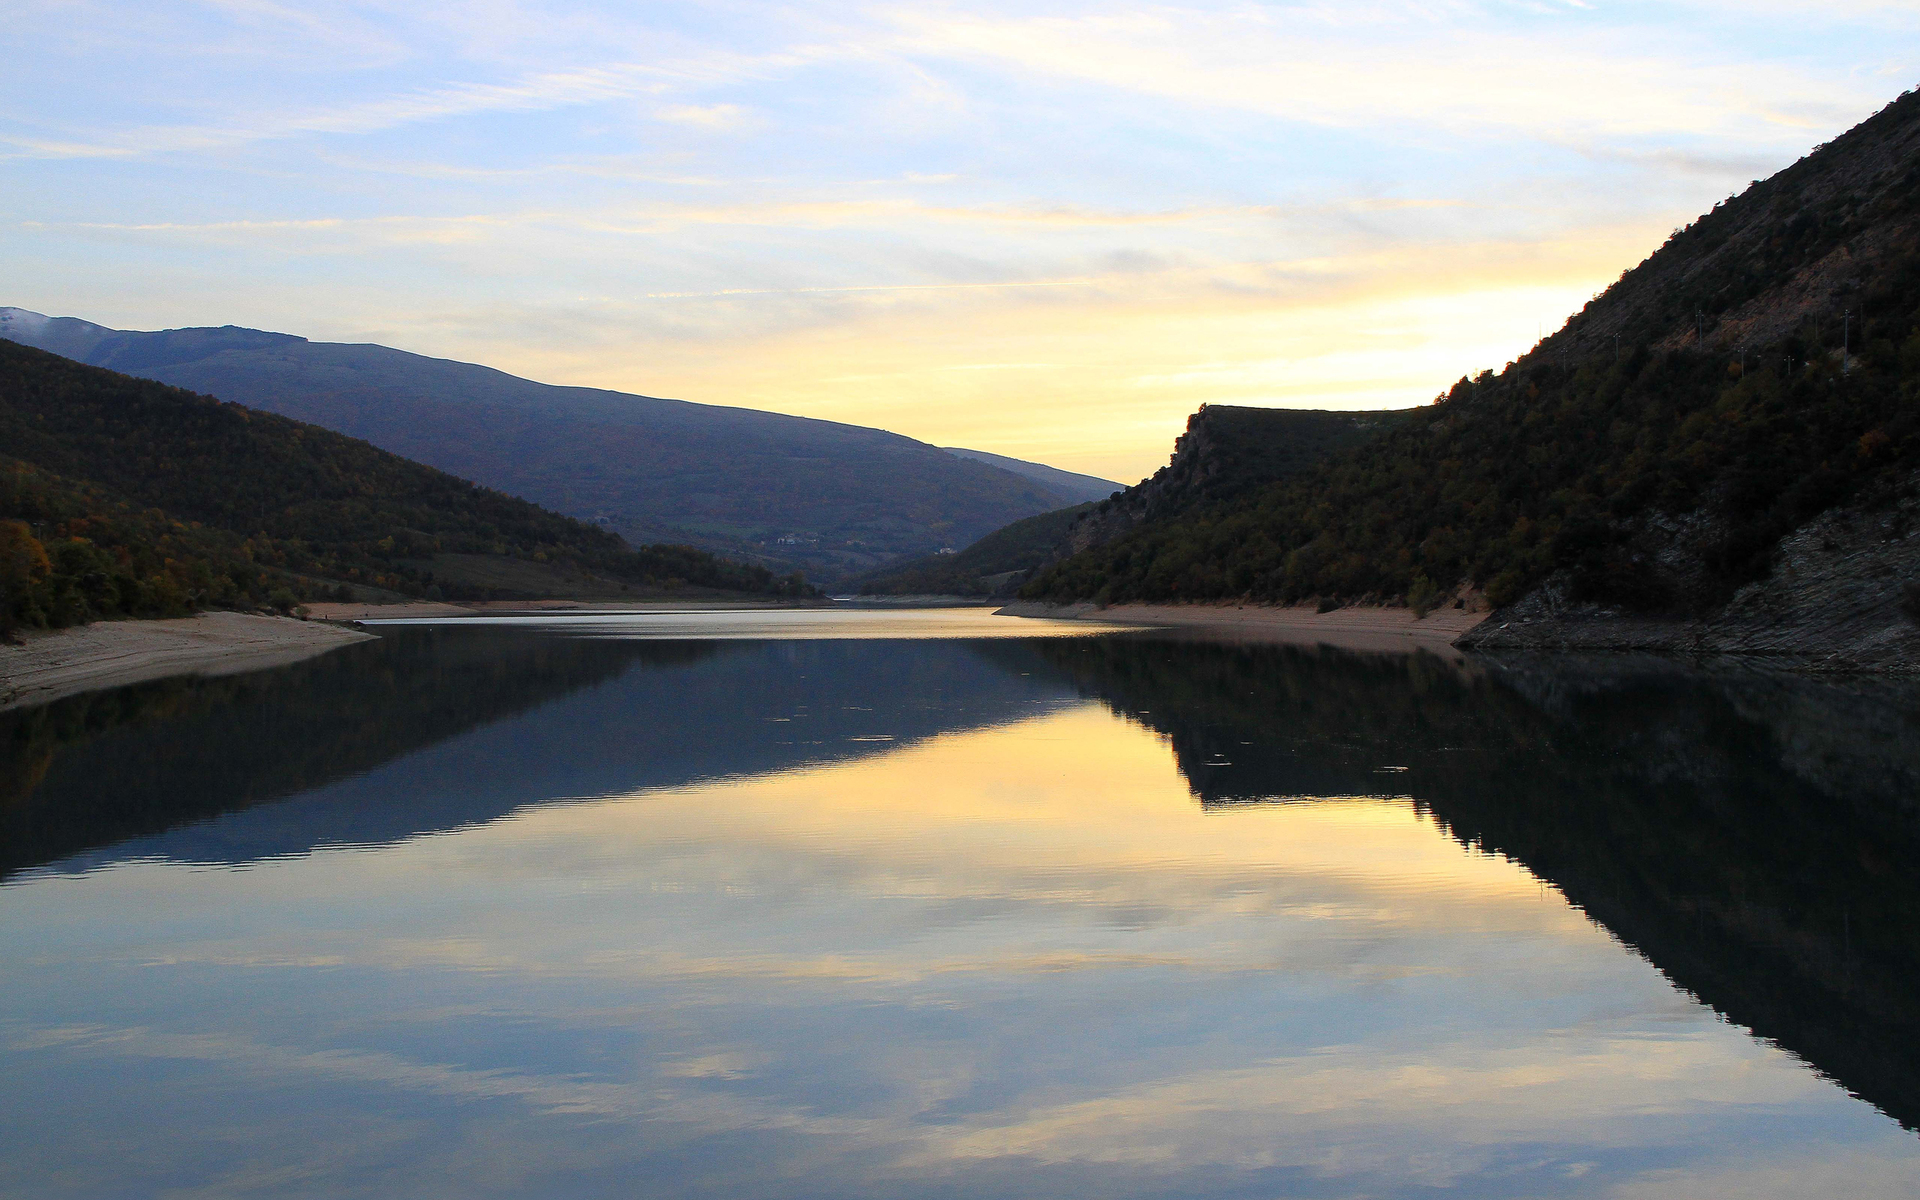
{"type": "Point", "coordinates": [906, 905]}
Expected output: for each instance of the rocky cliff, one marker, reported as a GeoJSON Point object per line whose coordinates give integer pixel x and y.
{"type": "Point", "coordinates": [1226, 453]}
{"type": "Point", "coordinates": [1843, 595]}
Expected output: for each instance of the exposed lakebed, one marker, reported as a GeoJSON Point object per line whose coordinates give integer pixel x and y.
{"type": "Point", "coordinates": [937, 904]}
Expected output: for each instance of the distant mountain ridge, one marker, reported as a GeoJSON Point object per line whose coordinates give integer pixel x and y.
{"type": "Point", "coordinates": [1077, 488]}
{"type": "Point", "coordinates": [785, 491]}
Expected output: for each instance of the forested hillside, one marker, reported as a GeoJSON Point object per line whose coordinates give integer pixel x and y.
{"type": "Point", "coordinates": [1226, 454]}
{"type": "Point", "coordinates": [982, 569]}
{"type": "Point", "coordinates": [788, 492]}
{"type": "Point", "coordinates": [120, 496]}
{"type": "Point", "coordinates": [1761, 368]}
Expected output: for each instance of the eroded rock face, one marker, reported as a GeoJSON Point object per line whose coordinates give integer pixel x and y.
{"type": "Point", "coordinates": [1226, 452]}
{"type": "Point", "coordinates": [1844, 594]}
{"type": "Point", "coordinates": [1197, 461]}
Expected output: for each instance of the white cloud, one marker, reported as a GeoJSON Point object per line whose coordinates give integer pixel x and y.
{"type": "Point", "coordinates": [691, 178]}
{"type": "Point", "coordinates": [716, 117]}
{"type": "Point", "coordinates": [1350, 70]}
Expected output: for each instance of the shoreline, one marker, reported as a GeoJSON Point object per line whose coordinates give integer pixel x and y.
{"type": "Point", "coordinates": [1394, 630]}
{"type": "Point", "coordinates": [109, 654]}
{"type": "Point", "coordinates": [333, 611]}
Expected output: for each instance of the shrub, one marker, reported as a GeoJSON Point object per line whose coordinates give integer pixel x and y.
{"type": "Point", "coordinates": [1422, 595]}
{"type": "Point", "coordinates": [1505, 588]}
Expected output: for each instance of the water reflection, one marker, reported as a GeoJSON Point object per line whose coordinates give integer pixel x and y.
{"type": "Point", "coordinates": [481, 720]}
{"type": "Point", "coordinates": [1058, 937]}
{"type": "Point", "coordinates": [102, 767]}
{"type": "Point", "coordinates": [1750, 833]}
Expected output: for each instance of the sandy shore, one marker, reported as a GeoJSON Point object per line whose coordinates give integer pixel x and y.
{"type": "Point", "coordinates": [111, 653]}
{"type": "Point", "coordinates": [335, 611]}
{"type": "Point", "coordinates": [1357, 628]}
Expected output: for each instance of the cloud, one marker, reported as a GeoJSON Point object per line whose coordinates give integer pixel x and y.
{"type": "Point", "coordinates": [717, 117]}
{"type": "Point", "coordinates": [26, 147]}
{"type": "Point", "coordinates": [1397, 67]}
{"type": "Point", "coordinates": [265, 1060]}
{"type": "Point", "coordinates": [836, 211]}
{"type": "Point", "coordinates": [537, 92]}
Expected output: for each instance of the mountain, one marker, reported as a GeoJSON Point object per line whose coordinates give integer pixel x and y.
{"type": "Point", "coordinates": [1721, 451]}
{"type": "Point", "coordinates": [1226, 452]}
{"type": "Point", "coordinates": [991, 566]}
{"type": "Point", "coordinates": [121, 496]}
{"type": "Point", "coordinates": [1077, 488]}
{"type": "Point", "coordinates": [785, 491]}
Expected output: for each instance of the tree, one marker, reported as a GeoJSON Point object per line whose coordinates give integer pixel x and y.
{"type": "Point", "coordinates": [23, 567]}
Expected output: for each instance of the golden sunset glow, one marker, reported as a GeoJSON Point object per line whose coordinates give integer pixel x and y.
{"type": "Point", "coordinates": [1046, 231]}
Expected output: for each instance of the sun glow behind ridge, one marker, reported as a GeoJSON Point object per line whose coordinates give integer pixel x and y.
{"type": "Point", "coordinates": [1047, 230]}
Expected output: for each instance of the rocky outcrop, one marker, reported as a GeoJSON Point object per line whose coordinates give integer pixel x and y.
{"type": "Point", "coordinates": [1226, 452]}
{"type": "Point", "coordinates": [1843, 595]}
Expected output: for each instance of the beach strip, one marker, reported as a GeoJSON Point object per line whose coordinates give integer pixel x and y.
{"type": "Point", "coordinates": [113, 653]}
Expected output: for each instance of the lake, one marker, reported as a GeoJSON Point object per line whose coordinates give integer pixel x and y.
{"type": "Point", "coordinates": [937, 904]}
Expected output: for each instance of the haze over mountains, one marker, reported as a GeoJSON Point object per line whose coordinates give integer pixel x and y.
{"type": "Point", "coordinates": [785, 491]}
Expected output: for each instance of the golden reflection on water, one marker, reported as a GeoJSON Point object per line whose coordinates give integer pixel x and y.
{"type": "Point", "coordinates": [1024, 947]}
{"type": "Point", "coordinates": [1076, 806]}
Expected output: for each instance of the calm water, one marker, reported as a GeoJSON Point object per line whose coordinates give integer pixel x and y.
{"type": "Point", "coordinates": [904, 905]}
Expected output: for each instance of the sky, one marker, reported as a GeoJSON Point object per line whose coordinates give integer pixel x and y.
{"type": "Point", "coordinates": [1050, 230]}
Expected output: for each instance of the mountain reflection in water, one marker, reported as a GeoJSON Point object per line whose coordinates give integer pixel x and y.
{"type": "Point", "coordinates": [1753, 834]}
{"type": "Point", "coordinates": [493, 911]}
{"type": "Point", "coordinates": [482, 719]}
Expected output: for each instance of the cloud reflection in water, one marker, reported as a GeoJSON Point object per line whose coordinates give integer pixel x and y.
{"type": "Point", "coordinates": [1017, 959]}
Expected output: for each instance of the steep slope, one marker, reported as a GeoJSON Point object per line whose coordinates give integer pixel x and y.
{"type": "Point", "coordinates": [787, 491]}
{"type": "Point", "coordinates": [1227, 453]}
{"type": "Point", "coordinates": [124, 496]}
{"type": "Point", "coordinates": [1721, 451]}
